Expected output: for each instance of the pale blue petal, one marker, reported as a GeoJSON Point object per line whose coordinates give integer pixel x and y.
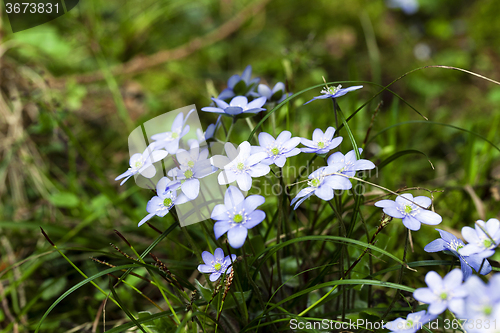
{"type": "Point", "coordinates": [244, 181]}
{"type": "Point", "coordinates": [256, 217]}
{"type": "Point", "coordinates": [428, 217]}
{"type": "Point", "coordinates": [236, 236]}
{"type": "Point", "coordinates": [410, 222]}
{"type": "Point", "coordinates": [220, 228]}
{"type": "Point", "coordinates": [233, 197]}
{"type": "Point", "coordinates": [205, 268]}
{"type": "Point", "coordinates": [436, 246]}
{"type": "Point", "coordinates": [252, 202]}
{"type": "Point", "coordinates": [147, 218]}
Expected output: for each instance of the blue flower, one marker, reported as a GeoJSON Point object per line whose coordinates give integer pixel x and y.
{"type": "Point", "coordinates": [349, 164]}
{"type": "Point", "coordinates": [238, 107]}
{"type": "Point", "coordinates": [480, 242]}
{"type": "Point", "coordinates": [408, 6]}
{"type": "Point", "coordinates": [451, 244]}
{"type": "Point", "coordinates": [412, 323]}
{"type": "Point", "coordinates": [482, 304]}
{"type": "Point", "coordinates": [334, 92]}
{"type": "Point", "coordinates": [278, 149]}
{"type": "Point", "coordinates": [442, 294]}
{"type": "Point", "coordinates": [170, 140]}
{"type": "Point", "coordinates": [240, 166]}
{"type": "Point", "coordinates": [322, 184]}
{"type": "Point", "coordinates": [412, 215]}
{"type": "Point", "coordinates": [143, 163]}
{"type": "Point", "coordinates": [193, 165]}
{"type": "Point", "coordinates": [165, 199]}
{"type": "Point", "coordinates": [276, 95]}
{"type": "Point", "coordinates": [239, 85]}
{"type": "Point", "coordinates": [237, 215]}
{"type": "Point", "coordinates": [216, 264]}
{"type": "Point", "coordinates": [321, 142]}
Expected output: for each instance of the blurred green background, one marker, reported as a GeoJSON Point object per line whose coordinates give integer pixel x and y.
{"type": "Point", "coordinates": [71, 91]}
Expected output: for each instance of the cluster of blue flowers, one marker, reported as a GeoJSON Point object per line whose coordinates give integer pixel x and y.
{"type": "Point", "coordinates": [477, 304]}
{"type": "Point", "coordinates": [244, 97]}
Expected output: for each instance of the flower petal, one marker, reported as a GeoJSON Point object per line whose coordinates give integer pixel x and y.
{"type": "Point", "coordinates": [220, 228]}
{"type": "Point", "coordinates": [256, 217]}
{"type": "Point", "coordinates": [145, 219]}
{"type": "Point", "coordinates": [191, 188]}
{"type": "Point", "coordinates": [252, 202]}
{"type": "Point", "coordinates": [219, 212]}
{"type": "Point", "coordinates": [436, 246]}
{"type": "Point", "coordinates": [317, 135]}
{"type": "Point", "coordinates": [266, 139]}
{"type": "Point", "coordinates": [259, 170]}
{"type": "Point", "coordinates": [236, 236]}
{"type": "Point", "coordinates": [324, 192]}
{"type": "Point", "coordinates": [233, 197]}
{"type": "Point", "coordinates": [205, 268]}
{"type": "Point", "coordinates": [428, 217]}
{"type": "Point", "coordinates": [410, 222]}
{"type": "Point", "coordinates": [423, 201]}
{"type": "Point", "coordinates": [244, 181]}
{"type": "Point", "coordinates": [219, 254]}
{"type": "Point", "coordinates": [394, 212]}
{"type": "Point", "coordinates": [215, 276]}
{"type": "Point", "coordinates": [424, 295]}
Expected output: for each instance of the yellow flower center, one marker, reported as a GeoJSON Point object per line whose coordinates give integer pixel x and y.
{"type": "Point", "coordinates": [188, 174]}
{"type": "Point", "coordinates": [190, 164]}
{"type": "Point", "coordinates": [238, 218]}
{"type": "Point", "coordinates": [138, 164]}
{"type": "Point", "coordinates": [275, 151]}
{"type": "Point", "coordinates": [240, 166]}
{"type": "Point", "coordinates": [321, 144]}
{"type": "Point", "coordinates": [175, 135]}
{"type": "Point", "coordinates": [408, 209]}
{"type": "Point", "coordinates": [167, 202]}
{"type": "Point", "coordinates": [443, 295]}
{"type": "Point", "coordinates": [487, 243]}
{"type": "Point", "coordinates": [315, 182]}
{"type": "Point", "coordinates": [217, 266]}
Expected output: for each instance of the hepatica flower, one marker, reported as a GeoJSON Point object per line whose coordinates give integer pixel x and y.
{"type": "Point", "coordinates": [412, 323]}
{"type": "Point", "coordinates": [321, 142]}
{"type": "Point", "coordinates": [451, 244]}
{"type": "Point", "coordinates": [278, 149]}
{"type": "Point", "coordinates": [238, 107]}
{"type": "Point", "coordinates": [348, 164]}
{"type": "Point", "coordinates": [443, 293]}
{"type": "Point", "coordinates": [334, 92]}
{"type": "Point", "coordinates": [237, 215]}
{"type": "Point", "coordinates": [239, 85]}
{"type": "Point", "coordinates": [216, 264]}
{"type": "Point", "coordinates": [165, 199]}
{"type": "Point", "coordinates": [143, 163]}
{"type": "Point", "coordinates": [483, 240]}
{"type": "Point", "coordinates": [322, 184]}
{"type": "Point", "coordinates": [170, 140]}
{"type": "Point", "coordinates": [240, 166]}
{"type": "Point", "coordinates": [193, 165]}
{"type": "Point", "coordinates": [411, 214]}
{"type": "Point", "coordinates": [276, 95]}
{"type": "Point", "coordinates": [482, 303]}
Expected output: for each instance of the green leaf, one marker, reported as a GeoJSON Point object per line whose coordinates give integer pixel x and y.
{"type": "Point", "coordinates": [64, 200]}
{"type": "Point", "coordinates": [241, 297]}
{"type": "Point", "coordinates": [205, 293]}
{"type": "Point", "coordinates": [56, 287]}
